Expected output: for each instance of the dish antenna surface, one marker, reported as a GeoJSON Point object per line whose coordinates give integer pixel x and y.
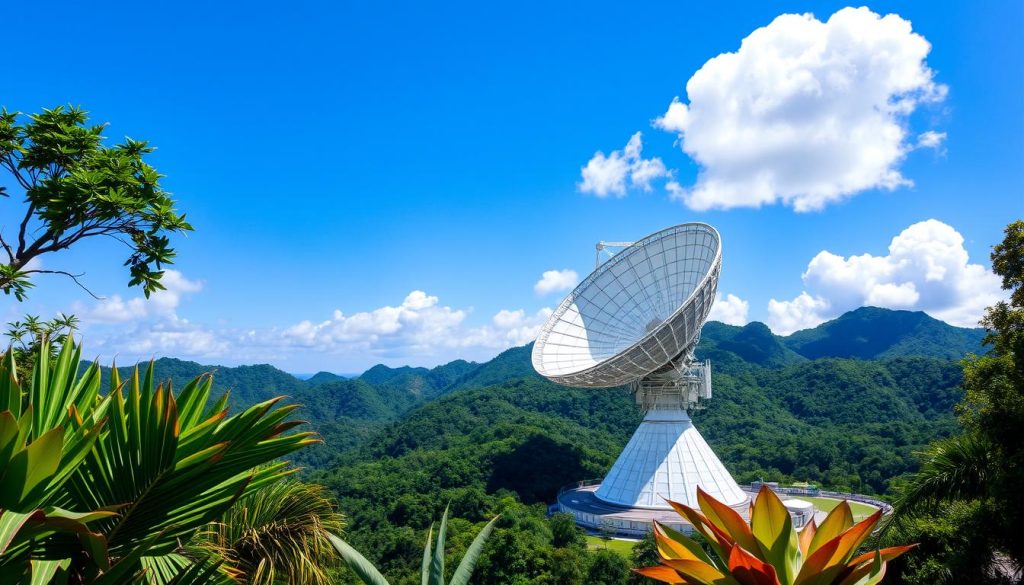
{"type": "Point", "coordinates": [635, 321]}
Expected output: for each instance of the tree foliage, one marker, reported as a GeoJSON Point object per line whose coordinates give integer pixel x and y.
{"type": "Point", "coordinates": [74, 187]}
{"type": "Point", "coordinates": [982, 468]}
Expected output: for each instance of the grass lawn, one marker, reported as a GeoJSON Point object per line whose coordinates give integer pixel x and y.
{"type": "Point", "coordinates": [860, 511]}
{"type": "Point", "coordinates": [623, 547]}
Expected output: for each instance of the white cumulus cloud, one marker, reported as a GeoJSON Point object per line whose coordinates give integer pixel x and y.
{"type": "Point", "coordinates": [418, 321]}
{"type": "Point", "coordinates": [556, 281]}
{"type": "Point", "coordinates": [608, 175]}
{"type": "Point", "coordinates": [730, 309]}
{"type": "Point", "coordinates": [926, 269]}
{"type": "Point", "coordinates": [804, 113]}
{"type": "Point", "coordinates": [115, 309]}
{"type": "Point", "coordinates": [418, 330]}
{"type": "Point", "coordinates": [803, 312]}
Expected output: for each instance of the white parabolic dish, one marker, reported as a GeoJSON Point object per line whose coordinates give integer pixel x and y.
{"type": "Point", "coordinates": [635, 313]}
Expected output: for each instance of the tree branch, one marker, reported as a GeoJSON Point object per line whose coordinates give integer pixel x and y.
{"type": "Point", "coordinates": [24, 228]}
{"type": "Point", "coordinates": [13, 169]}
{"type": "Point", "coordinates": [7, 248]}
{"type": "Point", "coordinates": [73, 277]}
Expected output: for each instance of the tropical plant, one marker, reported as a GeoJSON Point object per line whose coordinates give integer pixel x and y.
{"type": "Point", "coordinates": [982, 467]}
{"type": "Point", "coordinates": [993, 407]}
{"type": "Point", "coordinates": [957, 468]}
{"type": "Point", "coordinates": [432, 570]}
{"type": "Point", "coordinates": [768, 551]}
{"type": "Point", "coordinates": [75, 187]}
{"type": "Point", "coordinates": [25, 335]}
{"type": "Point", "coordinates": [278, 534]}
{"type": "Point", "coordinates": [106, 489]}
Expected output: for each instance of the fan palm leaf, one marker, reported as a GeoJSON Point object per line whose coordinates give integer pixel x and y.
{"type": "Point", "coordinates": [957, 468]}
{"type": "Point", "coordinates": [277, 534]}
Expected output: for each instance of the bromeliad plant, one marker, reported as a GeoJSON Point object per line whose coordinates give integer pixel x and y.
{"type": "Point", "coordinates": [768, 551]}
{"type": "Point", "coordinates": [107, 488]}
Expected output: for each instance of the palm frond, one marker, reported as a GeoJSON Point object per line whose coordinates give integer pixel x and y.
{"type": "Point", "coordinates": [957, 468]}
{"type": "Point", "coordinates": [277, 533]}
{"type": "Point", "coordinates": [145, 468]}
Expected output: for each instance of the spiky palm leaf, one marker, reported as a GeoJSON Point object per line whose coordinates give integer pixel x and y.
{"type": "Point", "coordinates": [37, 457]}
{"type": "Point", "coordinates": [957, 468]}
{"type": "Point", "coordinates": [278, 534]}
{"type": "Point", "coordinates": [167, 465]}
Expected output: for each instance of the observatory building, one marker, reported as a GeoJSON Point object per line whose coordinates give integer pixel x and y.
{"type": "Point", "coordinates": [635, 322]}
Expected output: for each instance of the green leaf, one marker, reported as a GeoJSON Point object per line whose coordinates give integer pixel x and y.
{"type": "Point", "coordinates": [363, 568]}
{"type": "Point", "coordinates": [9, 431]}
{"type": "Point", "coordinates": [24, 478]}
{"type": "Point", "coordinates": [437, 563]}
{"type": "Point", "coordinates": [45, 572]}
{"type": "Point", "coordinates": [465, 568]}
{"type": "Point", "coordinates": [773, 529]}
{"type": "Point", "coordinates": [10, 525]}
{"type": "Point", "coordinates": [425, 567]}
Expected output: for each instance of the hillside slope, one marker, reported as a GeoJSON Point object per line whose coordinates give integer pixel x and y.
{"type": "Point", "coordinates": [873, 333]}
{"type": "Point", "coordinates": [849, 424]}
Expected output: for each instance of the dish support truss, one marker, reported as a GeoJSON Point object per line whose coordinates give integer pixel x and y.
{"type": "Point", "coordinates": [684, 384]}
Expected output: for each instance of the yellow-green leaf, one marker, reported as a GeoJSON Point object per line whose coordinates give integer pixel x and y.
{"type": "Point", "coordinates": [772, 527]}
{"type": "Point", "coordinates": [838, 520]}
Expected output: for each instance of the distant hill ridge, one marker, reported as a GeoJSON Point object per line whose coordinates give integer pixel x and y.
{"type": "Point", "coordinates": [867, 333]}
{"type": "Point", "coordinates": [864, 333]}
{"type": "Point", "coordinates": [874, 333]}
{"type": "Point", "coordinates": [346, 411]}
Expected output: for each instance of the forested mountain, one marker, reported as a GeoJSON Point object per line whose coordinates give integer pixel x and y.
{"type": "Point", "coordinates": [321, 377]}
{"type": "Point", "coordinates": [845, 404]}
{"type": "Point", "coordinates": [847, 424]}
{"type": "Point", "coordinates": [248, 384]}
{"type": "Point", "coordinates": [786, 380]}
{"type": "Point", "coordinates": [872, 333]}
{"type": "Point", "coordinates": [753, 344]}
{"type": "Point", "coordinates": [510, 364]}
{"type": "Point", "coordinates": [422, 383]}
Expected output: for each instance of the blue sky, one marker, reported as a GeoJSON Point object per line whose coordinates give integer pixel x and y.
{"type": "Point", "coordinates": [336, 157]}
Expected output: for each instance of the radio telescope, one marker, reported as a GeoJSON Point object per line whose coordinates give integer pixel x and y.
{"type": "Point", "coordinates": [635, 321]}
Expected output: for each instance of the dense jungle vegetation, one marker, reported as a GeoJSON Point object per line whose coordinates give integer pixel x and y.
{"type": "Point", "coordinates": [845, 405]}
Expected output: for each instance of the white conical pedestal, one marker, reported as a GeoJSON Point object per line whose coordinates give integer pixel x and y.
{"type": "Point", "coordinates": [667, 459]}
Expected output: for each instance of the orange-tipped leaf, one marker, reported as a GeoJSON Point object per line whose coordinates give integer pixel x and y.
{"type": "Point", "coordinates": [750, 570]}
{"type": "Point", "coordinates": [669, 548]}
{"type": "Point", "coordinates": [726, 519]}
{"type": "Point", "coordinates": [660, 573]}
{"type": "Point", "coordinates": [720, 542]}
{"type": "Point", "coordinates": [806, 535]}
{"type": "Point", "coordinates": [698, 573]}
{"type": "Point", "coordinates": [887, 554]}
{"type": "Point", "coordinates": [870, 573]}
{"type": "Point", "coordinates": [829, 560]}
{"type": "Point", "coordinates": [838, 521]}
